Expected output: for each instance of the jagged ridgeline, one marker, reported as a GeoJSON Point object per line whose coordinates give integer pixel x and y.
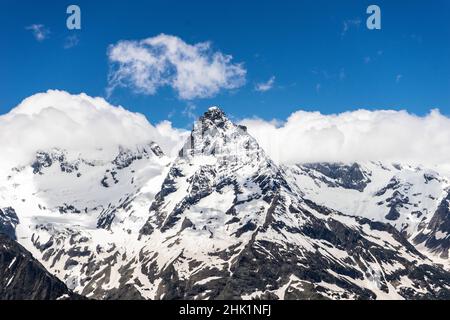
{"type": "Point", "coordinates": [223, 221]}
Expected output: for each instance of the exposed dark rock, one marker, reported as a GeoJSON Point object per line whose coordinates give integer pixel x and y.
{"type": "Point", "coordinates": [8, 222]}
{"type": "Point", "coordinates": [346, 176]}
{"type": "Point", "coordinates": [24, 278]}
{"type": "Point", "coordinates": [186, 224]}
{"type": "Point", "coordinates": [249, 226]}
{"type": "Point", "coordinates": [437, 235]}
{"type": "Point", "coordinates": [393, 184]}
{"type": "Point", "coordinates": [43, 160]}
{"type": "Point", "coordinates": [126, 156]}
{"type": "Point", "coordinates": [393, 214]}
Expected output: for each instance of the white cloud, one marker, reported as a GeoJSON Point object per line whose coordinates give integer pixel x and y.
{"type": "Point", "coordinates": [170, 139]}
{"type": "Point", "coordinates": [348, 24]}
{"type": "Point", "coordinates": [71, 41]}
{"type": "Point", "coordinates": [189, 111]}
{"type": "Point", "coordinates": [265, 86]}
{"type": "Point", "coordinates": [356, 136]}
{"type": "Point", "coordinates": [40, 32]}
{"type": "Point", "coordinates": [193, 71]}
{"type": "Point", "coordinates": [318, 87]}
{"type": "Point", "coordinates": [81, 125]}
{"type": "Point", "coordinates": [93, 128]}
{"type": "Point", "coordinates": [398, 78]}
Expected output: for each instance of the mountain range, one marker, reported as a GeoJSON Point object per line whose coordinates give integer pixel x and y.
{"type": "Point", "coordinates": [221, 220]}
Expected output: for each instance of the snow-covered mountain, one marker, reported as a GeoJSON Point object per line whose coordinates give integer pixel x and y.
{"type": "Point", "coordinates": [412, 199]}
{"type": "Point", "coordinates": [223, 221]}
{"type": "Point", "coordinates": [68, 212]}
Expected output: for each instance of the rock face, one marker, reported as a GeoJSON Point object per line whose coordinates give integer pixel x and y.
{"type": "Point", "coordinates": [436, 235]}
{"type": "Point", "coordinates": [223, 221]}
{"type": "Point", "coordinates": [341, 175]}
{"type": "Point", "coordinates": [24, 278]}
{"type": "Point", "coordinates": [404, 196]}
{"type": "Point", "coordinates": [8, 222]}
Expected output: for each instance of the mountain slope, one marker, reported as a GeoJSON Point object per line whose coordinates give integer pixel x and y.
{"type": "Point", "coordinates": [412, 199]}
{"type": "Point", "coordinates": [24, 278]}
{"type": "Point", "coordinates": [435, 237]}
{"type": "Point", "coordinates": [77, 215]}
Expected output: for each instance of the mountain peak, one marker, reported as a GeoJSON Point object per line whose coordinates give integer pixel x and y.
{"type": "Point", "coordinates": [214, 133]}
{"type": "Point", "coordinates": [214, 108]}
{"type": "Point", "coordinates": [214, 112]}
{"type": "Point", "coordinates": [215, 115]}
{"type": "Point", "coordinates": [213, 119]}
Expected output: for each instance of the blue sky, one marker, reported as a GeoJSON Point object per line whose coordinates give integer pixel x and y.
{"type": "Point", "coordinates": [320, 57]}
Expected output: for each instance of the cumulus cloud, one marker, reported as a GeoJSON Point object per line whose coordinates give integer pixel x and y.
{"type": "Point", "coordinates": [348, 24]}
{"type": "Point", "coordinates": [71, 41]}
{"type": "Point", "coordinates": [94, 129]}
{"type": "Point", "coordinates": [318, 87]}
{"type": "Point", "coordinates": [189, 111]}
{"type": "Point", "coordinates": [265, 86]}
{"type": "Point", "coordinates": [40, 32]}
{"type": "Point", "coordinates": [394, 136]}
{"type": "Point", "coordinates": [82, 125]}
{"type": "Point", "coordinates": [193, 71]}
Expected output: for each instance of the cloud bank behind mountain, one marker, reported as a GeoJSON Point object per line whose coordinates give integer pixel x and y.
{"type": "Point", "coordinates": [80, 124]}
{"type": "Point", "coordinates": [362, 135]}
{"type": "Point", "coordinates": [93, 128]}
